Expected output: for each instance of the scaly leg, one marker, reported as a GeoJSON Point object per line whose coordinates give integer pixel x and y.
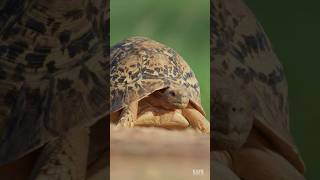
{"type": "Point", "coordinates": [64, 158]}
{"type": "Point", "coordinates": [128, 115]}
{"type": "Point", "coordinates": [196, 119]}
{"type": "Point", "coordinates": [263, 164]}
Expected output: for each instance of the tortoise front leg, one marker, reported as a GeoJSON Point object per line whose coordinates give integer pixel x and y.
{"type": "Point", "coordinates": [196, 119]}
{"type": "Point", "coordinates": [128, 115]}
{"type": "Point", "coordinates": [64, 158]}
{"type": "Point", "coordinates": [263, 164]}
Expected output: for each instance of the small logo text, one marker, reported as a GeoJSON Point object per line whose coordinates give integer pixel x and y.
{"type": "Point", "coordinates": [197, 172]}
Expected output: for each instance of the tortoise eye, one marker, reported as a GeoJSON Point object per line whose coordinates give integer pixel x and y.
{"type": "Point", "coordinates": [234, 109]}
{"type": "Point", "coordinates": [162, 90]}
{"type": "Point", "coordinates": [172, 93]}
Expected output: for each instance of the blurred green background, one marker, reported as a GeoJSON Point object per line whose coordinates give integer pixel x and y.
{"type": "Point", "coordinates": [180, 24]}
{"type": "Point", "coordinates": [294, 27]}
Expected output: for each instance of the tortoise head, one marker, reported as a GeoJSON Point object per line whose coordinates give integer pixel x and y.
{"type": "Point", "coordinates": [232, 120]}
{"type": "Point", "coordinates": [174, 97]}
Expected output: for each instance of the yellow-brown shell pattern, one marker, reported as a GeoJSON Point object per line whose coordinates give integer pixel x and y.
{"type": "Point", "coordinates": [54, 58]}
{"type": "Point", "coordinates": [140, 66]}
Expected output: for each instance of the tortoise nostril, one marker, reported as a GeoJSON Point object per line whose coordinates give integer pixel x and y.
{"type": "Point", "coordinates": [234, 109]}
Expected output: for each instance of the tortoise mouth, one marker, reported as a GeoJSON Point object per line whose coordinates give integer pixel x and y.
{"type": "Point", "coordinates": [179, 104]}
{"type": "Point", "coordinates": [230, 141]}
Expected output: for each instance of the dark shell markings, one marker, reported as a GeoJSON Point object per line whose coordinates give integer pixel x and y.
{"type": "Point", "coordinates": [243, 63]}
{"type": "Point", "coordinates": [53, 74]}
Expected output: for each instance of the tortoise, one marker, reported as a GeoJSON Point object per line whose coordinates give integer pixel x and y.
{"type": "Point", "coordinates": [54, 79]}
{"type": "Point", "coordinates": [146, 73]}
{"type": "Point", "coordinates": [249, 89]}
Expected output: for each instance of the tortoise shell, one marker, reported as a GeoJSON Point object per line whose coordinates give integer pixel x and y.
{"type": "Point", "coordinates": [141, 66]}
{"type": "Point", "coordinates": [53, 70]}
{"type": "Point", "coordinates": [243, 60]}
